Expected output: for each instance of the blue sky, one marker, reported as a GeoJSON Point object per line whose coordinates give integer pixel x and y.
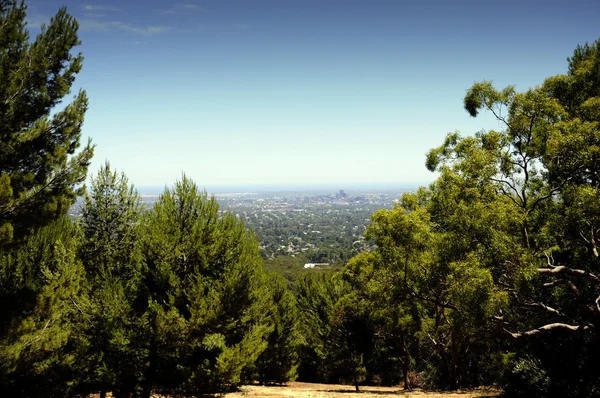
{"type": "Point", "coordinates": [303, 91]}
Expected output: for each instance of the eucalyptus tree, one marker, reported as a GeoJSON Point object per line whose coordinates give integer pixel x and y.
{"type": "Point", "coordinates": [525, 199]}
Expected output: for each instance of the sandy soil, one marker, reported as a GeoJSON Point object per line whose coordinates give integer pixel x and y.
{"type": "Point", "coordinates": [309, 390]}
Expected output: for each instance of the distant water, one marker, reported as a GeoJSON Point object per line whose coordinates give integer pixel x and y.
{"type": "Point", "coordinates": [262, 188]}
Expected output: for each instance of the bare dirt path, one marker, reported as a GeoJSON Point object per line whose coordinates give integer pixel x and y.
{"type": "Point", "coordinates": [310, 390]}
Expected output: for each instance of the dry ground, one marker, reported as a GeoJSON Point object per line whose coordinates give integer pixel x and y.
{"type": "Point", "coordinates": [310, 390]}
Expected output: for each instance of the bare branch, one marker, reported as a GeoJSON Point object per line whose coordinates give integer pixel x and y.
{"type": "Point", "coordinates": [594, 239]}
{"type": "Point", "coordinates": [549, 328]}
{"type": "Point", "coordinates": [549, 259]}
{"type": "Point", "coordinates": [498, 115]}
{"type": "Point", "coordinates": [583, 237]}
{"type": "Point", "coordinates": [545, 307]}
{"type": "Point", "coordinates": [567, 282]}
{"type": "Point", "coordinates": [562, 270]}
{"type": "Point", "coordinates": [40, 333]}
{"type": "Point", "coordinates": [552, 192]}
{"type": "Point", "coordinates": [512, 186]}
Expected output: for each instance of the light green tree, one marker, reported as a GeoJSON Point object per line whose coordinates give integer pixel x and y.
{"type": "Point", "coordinates": [524, 200]}
{"type": "Point", "coordinates": [439, 293]}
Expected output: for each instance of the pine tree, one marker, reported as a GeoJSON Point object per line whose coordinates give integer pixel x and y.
{"type": "Point", "coordinates": [40, 177]}
{"type": "Point", "coordinates": [40, 174]}
{"type": "Point", "coordinates": [279, 362]}
{"type": "Point", "coordinates": [206, 318]}
{"type": "Point", "coordinates": [110, 254]}
{"type": "Point", "coordinates": [317, 295]}
{"type": "Point", "coordinates": [40, 284]}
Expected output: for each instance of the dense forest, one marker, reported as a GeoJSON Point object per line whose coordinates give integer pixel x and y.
{"type": "Point", "coordinates": [489, 276]}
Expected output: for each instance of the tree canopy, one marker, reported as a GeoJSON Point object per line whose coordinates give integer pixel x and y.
{"type": "Point", "coordinates": [40, 172]}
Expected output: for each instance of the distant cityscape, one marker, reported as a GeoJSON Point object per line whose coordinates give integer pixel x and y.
{"type": "Point", "coordinates": [320, 226]}
{"type": "Point", "coordinates": [323, 227]}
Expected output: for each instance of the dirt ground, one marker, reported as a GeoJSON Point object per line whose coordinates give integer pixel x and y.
{"type": "Point", "coordinates": [310, 390]}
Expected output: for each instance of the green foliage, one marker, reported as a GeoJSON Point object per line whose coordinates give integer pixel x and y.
{"type": "Point", "coordinates": [317, 295]}
{"type": "Point", "coordinates": [528, 379]}
{"type": "Point", "coordinates": [41, 280]}
{"type": "Point", "coordinates": [521, 204]}
{"type": "Point", "coordinates": [488, 274]}
{"type": "Point", "coordinates": [279, 362]}
{"type": "Point", "coordinates": [207, 311]}
{"type": "Point", "coordinates": [440, 294]}
{"type": "Point", "coordinates": [291, 268]}
{"type": "Point", "coordinates": [110, 221]}
{"type": "Point", "coordinates": [391, 319]}
{"type": "Point", "coordinates": [40, 177]}
{"type": "Point", "coordinates": [40, 174]}
{"type": "Point", "coordinates": [111, 256]}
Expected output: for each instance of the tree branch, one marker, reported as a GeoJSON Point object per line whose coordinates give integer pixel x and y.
{"type": "Point", "coordinates": [567, 282]}
{"type": "Point", "coordinates": [545, 307]}
{"type": "Point", "coordinates": [547, 196]}
{"type": "Point", "coordinates": [562, 270]}
{"type": "Point", "coordinates": [512, 187]}
{"type": "Point", "coordinates": [549, 328]}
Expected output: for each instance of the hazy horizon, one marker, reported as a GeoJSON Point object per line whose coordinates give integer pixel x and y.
{"type": "Point", "coordinates": [288, 187]}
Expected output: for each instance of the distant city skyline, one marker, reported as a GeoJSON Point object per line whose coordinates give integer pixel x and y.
{"type": "Point", "coordinates": [311, 92]}
{"type": "Point", "coordinates": [331, 188]}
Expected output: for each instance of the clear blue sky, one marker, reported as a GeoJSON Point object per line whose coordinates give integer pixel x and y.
{"type": "Point", "coordinates": [303, 91]}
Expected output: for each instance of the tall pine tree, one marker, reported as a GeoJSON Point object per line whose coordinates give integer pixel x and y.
{"type": "Point", "coordinates": [40, 178]}
{"type": "Point", "coordinates": [207, 307]}
{"type": "Point", "coordinates": [40, 174]}
{"type": "Point", "coordinates": [111, 257]}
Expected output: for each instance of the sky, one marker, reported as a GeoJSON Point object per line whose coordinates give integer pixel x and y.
{"type": "Point", "coordinates": [301, 91]}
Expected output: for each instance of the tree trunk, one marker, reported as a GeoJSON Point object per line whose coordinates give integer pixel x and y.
{"type": "Point", "coordinates": [150, 372]}
{"type": "Point", "coordinates": [405, 369]}
{"type": "Point", "coordinates": [405, 362]}
{"type": "Point", "coordinates": [454, 361]}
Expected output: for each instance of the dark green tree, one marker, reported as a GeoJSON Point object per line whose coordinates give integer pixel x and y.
{"type": "Point", "coordinates": [40, 173]}
{"type": "Point", "coordinates": [40, 288]}
{"type": "Point", "coordinates": [279, 362]}
{"type": "Point", "coordinates": [40, 177]}
{"type": "Point", "coordinates": [207, 313]}
{"type": "Point", "coordinates": [393, 318]}
{"type": "Point", "coordinates": [317, 296]}
{"type": "Point", "coordinates": [351, 338]}
{"type": "Point", "coordinates": [111, 256]}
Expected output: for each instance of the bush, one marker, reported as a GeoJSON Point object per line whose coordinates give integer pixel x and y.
{"type": "Point", "coordinates": [527, 379]}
